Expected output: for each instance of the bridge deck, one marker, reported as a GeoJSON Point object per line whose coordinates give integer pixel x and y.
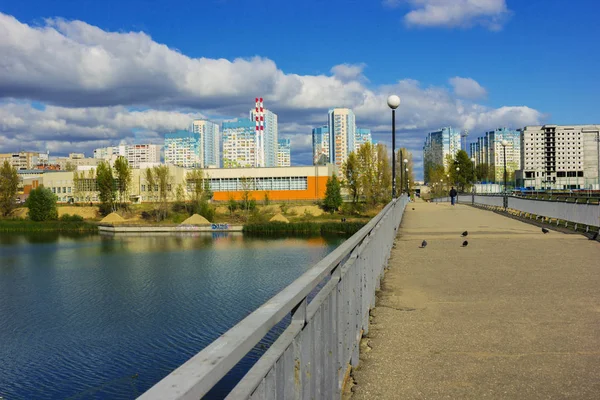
{"type": "Point", "coordinates": [515, 315]}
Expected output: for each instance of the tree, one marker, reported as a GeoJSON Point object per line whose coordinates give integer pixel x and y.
{"type": "Point", "coordinates": [247, 202]}
{"type": "Point", "coordinates": [160, 179]}
{"type": "Point", "coordinates": [375, 173]}
{"type": "Point", "coordinates": [482, 172]}
{"type": "Point", "coordinates": [333, 195]}
{"type": "Point", "coordinates": [383, 174]}
{"type": "Point", "coordinates": [463, 177]}
{"type": "Point", "coordinates": [106, 187]}
{"type": "Point", "coordinates": [352, 176]}
{"type": "Point", "coordinates": [70, 167]}
{"type": "Point", "coordinates": [9, 183]}
{"type": "Point", "coordinates": [123, 178]}
{"type": "Point", "coordinates": [42, 205]}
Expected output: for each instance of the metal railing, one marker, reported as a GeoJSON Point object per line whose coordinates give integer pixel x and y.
{"type": "Point", "coordinates": [311, 358]}
{"type": "Point", "coordinates": [561, 210]}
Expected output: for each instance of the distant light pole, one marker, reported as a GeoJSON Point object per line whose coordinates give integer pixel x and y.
{"type": "Point", "coordinates": [504, 144]}
{"type": "Point", "coordinates": [406, 170]}
{"type": "Point", "coordinates": [474, 179]}
{"type": "Point", "coordinates": [393, 102]}
{"type": "Point", "coordinates": [457, 171]}
{"type": "Point", "coordinates": [407, 189]}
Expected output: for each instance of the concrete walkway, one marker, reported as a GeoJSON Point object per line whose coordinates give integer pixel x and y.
{"type": "Point", "coordinates": [515, 315]}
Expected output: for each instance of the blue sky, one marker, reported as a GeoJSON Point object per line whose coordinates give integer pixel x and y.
{"type": "Point", "coordinates": [521, 62]}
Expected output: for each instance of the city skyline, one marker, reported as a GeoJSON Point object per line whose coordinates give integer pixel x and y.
{"type": "Point", "coordinates": [76, 61]}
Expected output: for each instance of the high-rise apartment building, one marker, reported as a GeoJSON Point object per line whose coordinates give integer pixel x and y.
{"type": "Point", "coordinates": [438, 146]}
{"type": "Point", "coordinates": [266, 134]}
{"type": "Point", "coordinates": [496, 152]}
{"type": "Point", "coordinates": [239, 143]}
{"type": "Point", "coordinates": [362, 136]}
{"type": "Point", "coordinates": [22, 160]}
{"type": "Point", "coordinates": [341, 124]}
{"type": "Point", "coordinates": [560, 157]}
{"type": "Point", "coordinates": [184, 148]}
{"type": "Point", "coordinates": [211, 142]}
{"type": "Point", "coordinates": [320, 145]}
{"type": "Point", "coordinates": [136, 154]}
{"type": "Point", "coordinates": [284, 153]}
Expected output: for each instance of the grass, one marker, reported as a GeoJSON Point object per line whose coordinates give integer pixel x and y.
{"type": "Point", "coordinates": [26, 225]}
{"type": "Point", "coordinates": [303, 228]}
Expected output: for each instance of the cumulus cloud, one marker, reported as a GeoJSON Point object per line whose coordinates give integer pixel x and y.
{"type": "Point", "coordinates": [467, 88]}
{"type": "Point", "coordinates": [491, 14]}
{"type": "Point", "coordinates": [100, 87]}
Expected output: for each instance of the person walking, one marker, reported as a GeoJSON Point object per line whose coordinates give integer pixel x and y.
{"type": "Point", "coordinates": [453, 194]}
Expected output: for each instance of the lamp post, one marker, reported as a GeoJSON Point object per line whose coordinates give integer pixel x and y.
{"type": "Point", "coordinates": [504, 144]}
{"type": "Point", "coordinates": [393, 102]}
{"type": "Point", "coordinates": [474, 179]}
{"type": "Point", "coordinates": [406, 170]}
{"type": "Point", "coordinates": [457, 171]}
{"type": "Point", "coordinates": [407, 189]}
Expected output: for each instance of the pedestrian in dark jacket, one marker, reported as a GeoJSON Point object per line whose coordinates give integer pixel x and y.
{"type": "Point", "coordinates": [453, 194]}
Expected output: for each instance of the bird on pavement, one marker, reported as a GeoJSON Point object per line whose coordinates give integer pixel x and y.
{"type": "Point", "coordinates": [544, 230]}
{"type": "Point", "coordinates": [595, 236]}
{"type": "Point", "coordinates": [413, 209]}
{"type": "Point", "coordinates": [423, 244]}
{"type": "Point", "coordinates": [465, 244]}
{"type": "Point", "coordinates": [465, 233]}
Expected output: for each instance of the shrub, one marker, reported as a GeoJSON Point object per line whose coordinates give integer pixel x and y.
{"type": "Point", "coordinates": [42, 205]}
{"type": "Point", "coordinates": [232, 205]}
{"type": "Point", "coordinates": [71, 218]}
{"type": "Point", "coordinates": [206, 210]}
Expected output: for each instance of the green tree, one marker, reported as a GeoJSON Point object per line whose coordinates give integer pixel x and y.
{"type": "Point", "coordinates": [70, 167]}
{"type": "Point", "coordinates": [482, 172]}
{"type": "Point", "coordinates": [383, 174]}
{"type": "Point", "coordinates": [160, 179]}
{"type": "Point", "coordinates": [42, 205]}
{"type": "Point", "coordinates": [375, 173]}
{"type": "Point", "coordinates": [351, 170]}
{"type": "Point", "coordinates": [123, 178]}
{"type": "Point", "coordinates": [105, 182]}
{"type": "Point", "coordinates": [9, 183]}
{"type": "Point", "coordinates": [463, 177]}
{"type": "Point", "coordinates": [333, 195]}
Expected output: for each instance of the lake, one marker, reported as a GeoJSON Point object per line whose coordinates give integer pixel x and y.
{"type": "Point", "coordinates": [106, 317]}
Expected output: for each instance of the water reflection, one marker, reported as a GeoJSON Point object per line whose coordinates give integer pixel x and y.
{"type": "Point", "coordinates": [78, 311]}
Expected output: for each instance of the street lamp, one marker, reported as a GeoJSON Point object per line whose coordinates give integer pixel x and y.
{"type": "Point", "coordinates": [407, 190]}
{"type": "Point", "coordinates": [504, 144]}
{"type": "Point", "coordinates": [457, 170]}
{"type": "Point", "coordinates": [393, 102]}
{"type": "Point", "coordinates": [406, 167]}
{"type": "Point", "coordinates": [474, 179]}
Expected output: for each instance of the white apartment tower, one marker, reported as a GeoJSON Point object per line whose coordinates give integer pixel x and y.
{"type": "Point", "coordinates": [341, 125]}
{"type": "Point", "coordinates": [560, 157]}
{"type": "Point", "coordinates": [211, 142]}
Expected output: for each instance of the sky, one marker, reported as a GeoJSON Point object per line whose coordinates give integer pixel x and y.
{"type": "Point", "coordinates": [81, 74]}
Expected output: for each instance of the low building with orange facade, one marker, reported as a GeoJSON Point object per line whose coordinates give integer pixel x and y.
{"type": "Point", "coordinates": [278, 183]}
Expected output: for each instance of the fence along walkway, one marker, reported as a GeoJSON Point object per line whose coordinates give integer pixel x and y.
{"type": "Point", "coordinates": [312, 356]}
{"type": "Point", "coordinates": [514, 315]}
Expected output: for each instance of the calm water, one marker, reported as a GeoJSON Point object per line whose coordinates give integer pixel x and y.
{"type": "Point", "coordinates": [81, 316]}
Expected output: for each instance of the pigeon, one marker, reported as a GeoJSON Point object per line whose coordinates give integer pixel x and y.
{"type": "Point", "coordinates": [544, 230]}
{"type": "Point", "coordinates": [413, 209]}
{"type": "Point", "coordinates": [465, 233]}
{"type": "Point", "coordinates": [423, 244]}
{"type": "Point", "coordinates": [595, 236]}
{"type": "Point", "coordinates": [465, 244]}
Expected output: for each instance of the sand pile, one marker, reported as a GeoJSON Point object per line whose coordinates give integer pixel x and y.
{"type": "Point", "coordinates": [112, 218]}
{"type": "Point", "coordinates": [196, 220]}
{"type": "Point", "coordinates": [279, 218]}
{"type": "Point", "coordinates": [300, 210]}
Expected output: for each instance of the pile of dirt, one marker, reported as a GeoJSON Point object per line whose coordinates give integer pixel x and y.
{"type": "Point", "coordinates": [84, 212]}
{"type": "Point", "coordinates": [279, 218]}
{"type": "Point", "coordinates": [271, 209]}
{"type": "Point", "coordinates": [196, 220]}
{"type": "Point", "coordinates": [112, 218]}
{"type": "Point", "coordinates": [300, 210]}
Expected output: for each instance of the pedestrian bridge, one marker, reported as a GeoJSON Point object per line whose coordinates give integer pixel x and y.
{"type": "Point", "coordinates": [514, 314]}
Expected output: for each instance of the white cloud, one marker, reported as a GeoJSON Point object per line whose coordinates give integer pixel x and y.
{"type": "Point", "coordinates": [491, 14]}
{"type": "Point", "coordinates": [95, 83]}
{"type": "Point", "coordinates": [467, 88]}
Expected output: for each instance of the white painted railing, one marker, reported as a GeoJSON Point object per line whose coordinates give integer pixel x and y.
{"type": "Point", "coordinates": [311, 357]}
{"type": "Point", "coordinates": [575, 213]}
